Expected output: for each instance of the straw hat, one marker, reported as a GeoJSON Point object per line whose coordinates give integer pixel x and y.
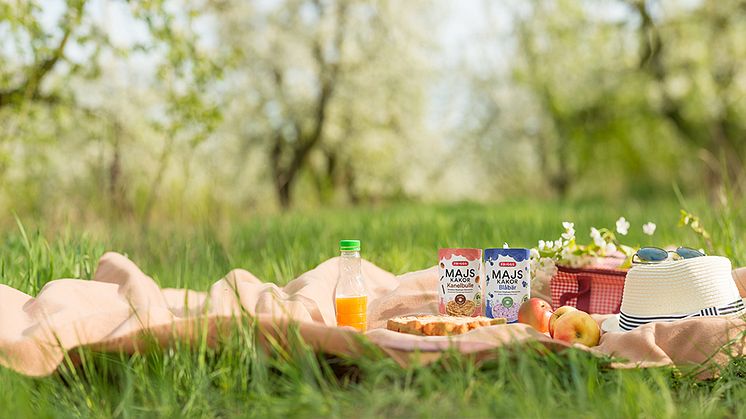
{"type": "Point", "coordinates": [675, 290]}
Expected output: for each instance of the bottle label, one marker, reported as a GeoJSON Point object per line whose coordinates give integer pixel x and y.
{"type": "Point", "coordinates": [460, 288]}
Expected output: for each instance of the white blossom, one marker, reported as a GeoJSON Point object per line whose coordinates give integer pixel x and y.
{"type": "Point", "coordinates": [598, 240]}
{"type": "Point", "coordinates": [542, 272]}
{"type": "Point", "coordinates": [506, 246]}
{"type": "Point", "coordinates": [569, 233]}
{"type": "Point", "coordinates": [534, 254]}
{"type": "Point", "coordinates": [542, 245]}
{"type": "Point", "coordinates": [649, 228]}
{"type": "Point", "coordinates": [610, 249]}
{"type": "Point", "coordinates": [547, 265]}
{"type": "Point", "coordinates": [622, 226]}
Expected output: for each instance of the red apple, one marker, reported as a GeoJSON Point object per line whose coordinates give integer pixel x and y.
{"type": "Point", "coordinates": [535, 312]}
{"type": "Point", "coordinates": [557, 314]}
{"type": "Point", "coordinates": [577, 327]}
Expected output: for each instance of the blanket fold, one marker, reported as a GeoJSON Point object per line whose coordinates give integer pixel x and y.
{"type": "Point", "coordinates": [121, 306]}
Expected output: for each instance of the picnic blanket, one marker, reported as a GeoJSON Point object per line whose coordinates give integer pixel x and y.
{"type": "Point", "coordinates": [122, 308]}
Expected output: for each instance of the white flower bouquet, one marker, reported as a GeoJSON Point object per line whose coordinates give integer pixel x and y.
{"type": "Point", "coordinates": [603, 252]}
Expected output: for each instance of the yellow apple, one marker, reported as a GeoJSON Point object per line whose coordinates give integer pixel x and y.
{"type": "Point", "coordinates": [577, 327]}
{"type": "Point", "coordinates": [557, 314]}
{"type": "Point", "coordinates": [535, 312]}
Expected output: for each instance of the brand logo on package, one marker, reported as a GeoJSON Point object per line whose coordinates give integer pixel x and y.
{"type": "Point", "coordinates": [506, 264]}
{"type": "Point", "coordinates": [460, 263]}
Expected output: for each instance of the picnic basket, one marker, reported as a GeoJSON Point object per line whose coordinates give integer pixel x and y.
{"type": "Point", "coordinates": [594, 289]}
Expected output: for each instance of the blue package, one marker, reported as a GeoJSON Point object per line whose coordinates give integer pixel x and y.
{"type": "Point", "coordinates": [507, 282]}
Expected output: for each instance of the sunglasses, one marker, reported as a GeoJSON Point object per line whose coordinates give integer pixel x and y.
{"type": "Point", "coordinates": [656, 254]}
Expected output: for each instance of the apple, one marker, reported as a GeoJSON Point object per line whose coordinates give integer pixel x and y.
{"type": "Point", "coordinates": [577, 327]}
{"type": "Point", "coordinates": [536, 313]}
{"type": "Point", "coordinates": [557, 314]}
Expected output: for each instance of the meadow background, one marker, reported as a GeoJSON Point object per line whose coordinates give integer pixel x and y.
{"type": "Point", "coordinates": [200, 136]}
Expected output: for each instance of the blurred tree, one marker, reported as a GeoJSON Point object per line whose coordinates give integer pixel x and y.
{"type": "Point", "coordinates": [52, 54]}
{"type": "Point", "coordinates": [292, 144]}
{"type": "Point", "coordinates": [558, 94]}
{"type": "Point", "coordinates": [186, 72]}
{"type": "Point", "coordinates": [695, 62]}
{"type": "Point", "coordinates": [627, 92]}
{"type": "Point", "coordinates": [34, 68]}
{"type": "Point", "coordinates": [41, 49]}
{"type": "Point", "coordinates": [321, 77]}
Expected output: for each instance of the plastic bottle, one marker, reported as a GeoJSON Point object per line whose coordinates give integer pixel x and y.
{"type": "Point", "coordinates": [351, 297]}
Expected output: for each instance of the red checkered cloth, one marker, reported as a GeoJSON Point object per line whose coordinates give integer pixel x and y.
{"type": "Point", "coordinates": [593, 290]}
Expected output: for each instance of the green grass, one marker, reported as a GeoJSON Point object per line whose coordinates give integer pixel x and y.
{"type": "Point", "coordinates": [238, 379]}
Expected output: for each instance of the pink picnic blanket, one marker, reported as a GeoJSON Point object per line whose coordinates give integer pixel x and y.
{"type": "Point", "coordinates": [122, 307]}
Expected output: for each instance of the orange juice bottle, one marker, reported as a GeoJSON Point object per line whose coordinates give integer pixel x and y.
{"type": "Point", "coordinates": [350, 296]}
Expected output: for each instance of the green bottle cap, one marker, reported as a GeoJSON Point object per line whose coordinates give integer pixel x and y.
{"type": "Point", "coordinates": [349, 245]}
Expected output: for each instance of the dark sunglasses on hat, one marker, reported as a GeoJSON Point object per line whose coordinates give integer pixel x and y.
{"type": "Point", "coordinates": [656, 254]}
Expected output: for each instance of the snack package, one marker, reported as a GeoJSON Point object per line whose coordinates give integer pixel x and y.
{"type": "Point", "coordinates": [507, 282]}
{"type": "Point", "coordinates": [460, 287]}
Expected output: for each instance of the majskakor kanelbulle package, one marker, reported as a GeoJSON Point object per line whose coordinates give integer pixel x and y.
{"type": "Point", "coordinates": [460, 287]}
{"type": "Point", "coordinates": [507, 282]}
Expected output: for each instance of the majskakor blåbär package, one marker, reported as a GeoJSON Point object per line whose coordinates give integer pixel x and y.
{"type": "Point", "coordinates": [507, 282]}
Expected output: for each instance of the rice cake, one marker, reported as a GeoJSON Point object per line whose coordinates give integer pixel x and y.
{"type": "Point", "coordinates": [432, 325]}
